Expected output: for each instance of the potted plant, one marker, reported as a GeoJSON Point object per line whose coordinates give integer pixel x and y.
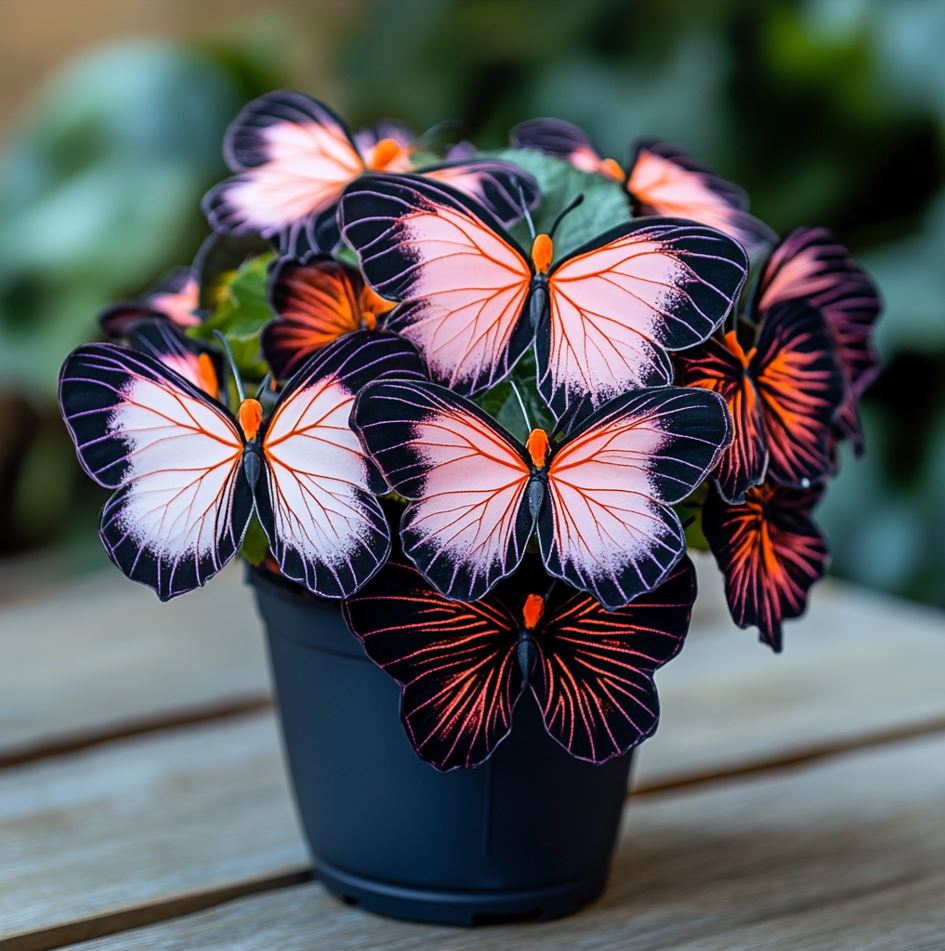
{"type": "Point", "coordinates": [495, 397]}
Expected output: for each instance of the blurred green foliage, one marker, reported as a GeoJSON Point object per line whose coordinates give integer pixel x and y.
{"type": "Point", "coordinates": [829, 112]}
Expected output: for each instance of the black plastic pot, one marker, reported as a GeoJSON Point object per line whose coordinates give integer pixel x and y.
{"type": "Point", "coordinates": [527, 835]}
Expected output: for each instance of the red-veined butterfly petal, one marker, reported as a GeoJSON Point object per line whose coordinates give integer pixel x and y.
{"type": "Point", "coordinates": [467, 526]}
{"type": "Point", "coordinates": [499, 186]}
{"type": "Point", "coordinates": [566, 141]}
{"type": "Point", "coordinates": [800, 387]}
{"type": "Point", "coordinates": [811, 264]}
{"type": "Point", "coordinates": [174, 455]}
{"type": "Point", "coordinates": [316, 302]}
{"type": "Point", "coordinates": [721, 366]}
{"type": "Point", "coordinates": [607, 526]}
{"type": "Point", "coordinates": [664, 180]}
{"type": "Point", "coordinates": [315, 497]}
{"type": "Point", "coordinates": [594, 677]}
{"type": "Point", "coordinates": [294, 156]}
{"type": "Point", "coordinates": [461, 281]}
{"type": "Point", "coordinates": [456, 663]}
{"type": "Point", "coordinates": [770, 552]}
{"type": "Point", "coordinates": [620, 302]}
{"type": "Point", "coordinates": [197, 362]}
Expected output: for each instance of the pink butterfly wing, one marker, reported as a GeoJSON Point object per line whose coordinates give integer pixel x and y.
{"type": "Point", "coordinates": [294, 157]}
{"type": "Point", "coordinates": [466, 526]}
{"type": "Point", "coordinates": [461, 281]}
{"type": "Point", "coordinates": [174, 456]}
{"type": "Point", "coordinates": [619, 304]}
{"type": "Point", "coordinates": [664, 180]}
{"type": "Point", "coordinates": [608, 526]}
{"type": "Point", "coordinates": [316, 496]}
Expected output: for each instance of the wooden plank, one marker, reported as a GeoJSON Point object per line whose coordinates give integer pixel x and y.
{"type": "Point", "coordinates": [846, 855]}
{"type": "Point", "coordinates": [104, 657]}
{"type": "Point", "coordinates": [103, 652]}
{"type": "Point", "coordinates": [143, 821]}
{"type": "Point", "coordinates": [858, 665]}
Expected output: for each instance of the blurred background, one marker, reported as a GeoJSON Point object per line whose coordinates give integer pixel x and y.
{"type": "Point", "coordinates": [829, 112]}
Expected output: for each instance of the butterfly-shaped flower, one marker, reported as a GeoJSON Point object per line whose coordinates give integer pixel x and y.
{"type": "Point", "coordinates": [315, 301]}
{"type": "Point", "coordinates": [600, 501]}
{"type": "Point", "coordinates": [811, 265]}
{"type": "Point", "coordinates": [771, 553]}
{"type": "Point", "coordinates": [464, 667]}
{"type": "Point", "coordinates": [783, 389]}
{"type": "Point", "coordinates": [602, 318]}
{"type": "Point", "coordinates": [175, 298]}
{"type": "Point", "coordinates": [294, 156]}
{"type": "Point", "coordinates": [660, 179]}
{"type": "Point", "coordinates": [188, 474]}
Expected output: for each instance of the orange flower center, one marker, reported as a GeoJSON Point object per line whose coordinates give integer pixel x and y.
{"type": "Point", "coordinates": [537, 447]}
{"type": "Point", "coordinates": [542, 252]}
{"type": "Point", "coordinates": [250, 417]}
{"type": "Point", "coordinates": [532, 611]}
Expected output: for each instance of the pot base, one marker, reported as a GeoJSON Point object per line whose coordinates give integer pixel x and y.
{"type": "Point", "coordinates": [458, 908]}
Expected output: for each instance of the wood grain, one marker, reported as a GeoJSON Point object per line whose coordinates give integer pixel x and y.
{"type": "Point", "coordinates": [857, 665]}
{"type": "Point", "coordinates": [102, 652]}
{"type": "Point", "coordinates": [143, 821]}
{"type": "Point", "coordinates": [846, 855]}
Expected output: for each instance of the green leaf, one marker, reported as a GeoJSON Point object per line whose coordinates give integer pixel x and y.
{"type": "Point", "coordinates": [502, 404]}
{"type": "Point", "coordinates": [255, 543]}
{"type": "Point", "coordinates": [242, 311]}
{"type": "Point", "coordinates": [605, 202]}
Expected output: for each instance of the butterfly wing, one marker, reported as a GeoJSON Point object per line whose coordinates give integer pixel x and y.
{"type": "Point", "coordinates": [594, 679]}
{"type": "Point", "coordinates": [607, 526]}
{"type": "Point", "coordinates": [455, 662]}
{"type": "Point", "coordinates": [664, 180]}
{"type": "Point", "coordinates": [499, 186]}
{"type": "Point", "coordinates": [316, 496]}
{"type": "Point", "coordinates": [293, 157]}
{"type": "Point", "coordinates": [196, 362]}
{"type": "Point", "coordinates": [811, 264]}
{"type": "Point", "coordinates": [466, 526]}
{"type": "Point", "coordinates": [175, 298]}
{"type": "Point", "coordinates": [720, 365]}
{"type": "Point", "coordinates": [770, 552]}
{"type": "Point", "coordinates": [174, 457]}
{"type": "Point", "coordinates": [316, 302]}
{"type": "Point", "coordinates": [563, 140]}
{"type": "Point", "coordinates": [618, 304]}
{"type": "Point", "coordinates": [461, 281]}
{"type": "Point", "coordinates": [800, 387]}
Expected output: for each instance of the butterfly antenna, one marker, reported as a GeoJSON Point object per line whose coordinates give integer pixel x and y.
{"type": "Point", "coordinates": [578, 200]}
{"type": "Point", "coordinates": [266, 382]}
{"type": "Point", "coordinates": [521, 405]}
{"type": "Point", "coordinates": [526, 214]}
{"type": "Point", "coordinates": [225, 344]}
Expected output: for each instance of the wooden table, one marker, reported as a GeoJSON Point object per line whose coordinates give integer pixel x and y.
{"type": "Point", "coordinates": [786, 802]}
